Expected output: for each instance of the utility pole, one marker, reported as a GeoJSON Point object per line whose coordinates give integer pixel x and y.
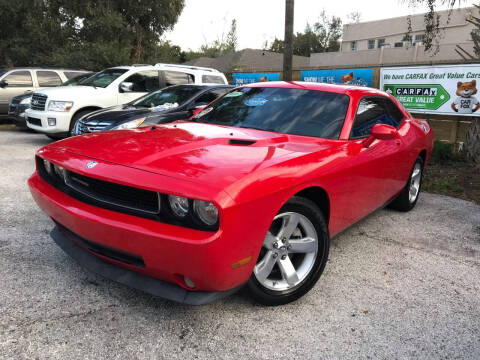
{"type": "Point", "coordinates": [287, 42]}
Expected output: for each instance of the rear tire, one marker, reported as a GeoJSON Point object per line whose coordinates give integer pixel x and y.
{"type": "Point", "coordinates": [293, 256]}
{"type": "Point", "coordinates": [408, 198]}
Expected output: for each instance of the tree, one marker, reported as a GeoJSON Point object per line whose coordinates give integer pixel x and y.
{"type": "Point", "coordinates": [323, 36]}
{"type": "Point", "coordinates": [89, 34]}
{"type": "Point", "coordinates": [354, 17]}
{"type": "Point", "coordinates": [471, 144]}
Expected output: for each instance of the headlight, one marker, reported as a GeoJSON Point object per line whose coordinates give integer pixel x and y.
{"type": "Point", "coordinates": [206, 212]}
{"type": "Point", "coordinates": [26, 101]}
{"type": "Point", "coordinates": [60, 105]}
{"type": "Point", "coordinates": [130, 124]}
{"type": "Point", "coordinates": [60, 171]}
{"type": "Point", "coordinates": [179, 205]}
{"type": "Point", "coordinates": [48, 166]}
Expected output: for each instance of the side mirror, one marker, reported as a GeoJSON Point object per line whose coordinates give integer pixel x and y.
{"type": "Point", "coordinates": [381, 132]}
{"type": "Point", "coordinates": [126, 86]}
{"type": "Point", "coordinates": [3, 83]}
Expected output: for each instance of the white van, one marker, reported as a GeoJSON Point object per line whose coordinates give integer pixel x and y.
{"type": "Point", "coordinates": [55, 111]}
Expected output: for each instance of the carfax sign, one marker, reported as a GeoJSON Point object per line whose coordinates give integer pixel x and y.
{"type": "Point", "coordinates": [449, 89]}
{"type": "Point", "coordinates": [361, 77]}
{"type": "Point", "coordinates": [248, 78]}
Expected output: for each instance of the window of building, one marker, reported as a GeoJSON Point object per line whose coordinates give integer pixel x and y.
{"type": "Point", "coordinates": [144, 81]}
{"type": "Point", "coordinates": [398, 44]}
{"type": "Point", "coordinates": [19, 79]}
{"type": "Point", "coordinates": [381, 42]}
{"type": "Point", "coordinates": [48, 78]}
{"type": "Point", "coordinates": [353, 46]}
{"type": "Point", "coordinates": [371, 44]}
{"type": "Point", "coordinates": [420, 38]}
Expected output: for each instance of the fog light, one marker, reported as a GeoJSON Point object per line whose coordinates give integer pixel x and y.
{"type": "Point", "coordinates": [52, 121]}
{"type": "Point", "coordinates": [188, 282]}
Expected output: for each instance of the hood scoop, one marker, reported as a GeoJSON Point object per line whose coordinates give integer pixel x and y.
{"type": "Point", "coordinates": [241, 142]}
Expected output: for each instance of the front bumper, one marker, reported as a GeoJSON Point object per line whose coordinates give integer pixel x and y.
{"type": "Point", "coordinates": [67, 242]}
{"type": "Point", "coordinates": [169, 252]}
{"type": "Point", "coordinates": [40, 121]}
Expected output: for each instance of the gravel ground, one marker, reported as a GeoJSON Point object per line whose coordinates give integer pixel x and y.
{"type": "Point", "coordinates": [397, 286]}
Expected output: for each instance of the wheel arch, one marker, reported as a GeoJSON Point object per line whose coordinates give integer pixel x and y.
{"type": "Point", "coordinates": [423, 155]}
{"type": "Point", "coordinates": [319, 196]}
{"type": "Point", "coordinates": [86, 108]}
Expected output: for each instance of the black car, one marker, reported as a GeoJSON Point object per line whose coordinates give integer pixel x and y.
{"type": "Point", "coordinates": [20, 103]}
{"type": "Point", "coordinates": [172, 103]}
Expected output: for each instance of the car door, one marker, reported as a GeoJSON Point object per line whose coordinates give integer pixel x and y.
{"type": "Point", "coordinates": [371, 178]}
{"type": "Point", "coordinates": [139, 83]}
{"type": "Point", "coordinates": [14, 83]}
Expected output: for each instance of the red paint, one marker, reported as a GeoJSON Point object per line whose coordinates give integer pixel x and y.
{"type": "Point", "coordinates": [248, 184]}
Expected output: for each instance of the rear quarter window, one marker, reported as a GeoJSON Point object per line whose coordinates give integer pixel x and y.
{"type": "Point", "coordinates": [212, 79]}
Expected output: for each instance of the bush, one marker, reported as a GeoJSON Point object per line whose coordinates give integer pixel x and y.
{"type": "Point", "coordinates": [444, 152]}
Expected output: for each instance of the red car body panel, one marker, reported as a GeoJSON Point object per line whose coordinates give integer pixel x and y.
{"type": "Point", "coordinates": [248, 185]}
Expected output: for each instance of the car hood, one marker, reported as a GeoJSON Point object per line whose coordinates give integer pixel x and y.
{"type": "Point", "coordinates": [204, 153]}
{"type": "Point", "coordinates": [69, 93]}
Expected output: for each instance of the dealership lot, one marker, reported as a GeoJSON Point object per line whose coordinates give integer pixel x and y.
{"type": "Point", "coordinates": [397, 285]}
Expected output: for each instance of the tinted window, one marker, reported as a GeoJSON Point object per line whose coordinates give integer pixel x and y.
{"type": "Point", "coordinates": [144, 81]}
{"type": "Point", "coordinates": [19, 79]}
{"type": "Point", "coordinates": [207, 97]}
{"type": "Point", "coordinates": [178, 78]}
{"type": "Point", "coordinates": [394, 112]}
{"type": "Point", "coordinates": [212, 79]}
{"type": "Point", "coordinates": [48, 78]}
{"type": "Point", "coordinates": [73, 74]}
{"type": "Point", "coordinates": [370, 111]}
{"type": "Point", "coordinates": [172, 95]}
{"type": "Point", "coordinates": [77, 80]}
{"type": "Point", "coordinates": [289, 111]}
{"type": "Point", "coordinates": [104, 78]}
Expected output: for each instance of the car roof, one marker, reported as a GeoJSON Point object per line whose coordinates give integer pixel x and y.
{"type": "Point", "coordinates": [42, 68]}
{"type": "Point", "coordinates": [336, 88]}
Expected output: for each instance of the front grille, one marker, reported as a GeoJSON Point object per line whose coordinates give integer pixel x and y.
{"type": "Point", "coordinates": [121, 198]}
{"type": "Point", "coordinates": [34, 121]}
{"type": "Point", "coordinates": [38, 102]}
{"type": "Point", "coordinates": [119, 255]}
{"type": "Point", "coordinates": [85, 126]}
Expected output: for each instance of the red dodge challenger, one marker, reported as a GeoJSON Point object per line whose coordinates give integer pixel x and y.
{"type": "Point", "coordinates": [249, 192]}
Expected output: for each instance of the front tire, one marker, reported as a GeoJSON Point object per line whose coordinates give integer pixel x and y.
{"type": "Point", "coordinates": [408, 198]}
{"type": "Point", "coordinates": [293, 255]}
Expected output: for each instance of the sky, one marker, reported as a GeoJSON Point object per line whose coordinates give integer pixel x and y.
{"type": "Point", "coordinates": [203, 21]}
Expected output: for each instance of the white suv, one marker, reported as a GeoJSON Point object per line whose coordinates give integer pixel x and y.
{"type": "Point", "coordinates": [55, 111]}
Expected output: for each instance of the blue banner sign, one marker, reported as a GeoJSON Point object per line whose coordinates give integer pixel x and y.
{"type": "Point", "coordinates": [360, 77]}
{"type": "Point", "coordinates": [249, 78]}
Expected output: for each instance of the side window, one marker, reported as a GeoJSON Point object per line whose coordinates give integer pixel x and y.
{"type": "Point", "coordinates": [370, 111]}
{"type": "Point", "coordinates": [144, 81]}
{"type": "Point", "coordinates": [48, 78]}
{"type": "Point", "coordinates": [19, 79]}
{"type": "Point", "coordinates": [72, 74]}
{"type": "Point", "coordinates": [207, 97]}
{"type": "Point", "coordinates": [395, 114]}
{"type": "Point", "coordinates": [212, 79]}
{"type": "Point", "coordinates": [178, 78]}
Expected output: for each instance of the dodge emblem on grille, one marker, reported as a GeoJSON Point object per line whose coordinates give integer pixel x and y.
{"type": "Point", "coordinates": [91, 164]}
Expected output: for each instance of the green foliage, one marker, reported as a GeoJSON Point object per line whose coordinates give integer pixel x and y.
{"type": "Point", "coordinates": [322, 37]}
{"type": "Point", "coordinates": [444, 152]}
{"type": "Point", "coordinates": [86, 34]}
{"type": "Point", "coordinates": [441, 185]}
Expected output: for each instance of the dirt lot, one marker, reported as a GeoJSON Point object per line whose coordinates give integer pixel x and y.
{"type": "Point", "coordinates": [397, 285]}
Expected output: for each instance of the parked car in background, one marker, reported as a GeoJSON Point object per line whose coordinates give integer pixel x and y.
{"type": "Point", "coordinates": [247, 193]}
{"type": "Point", "coordinates": [17, 81]}
{"type": "Point", "coordinates": [20, 103]}
{"type": "Point", "coordinates": [54, 112]}
{"type": "Point", "coordinates": [176, 102]}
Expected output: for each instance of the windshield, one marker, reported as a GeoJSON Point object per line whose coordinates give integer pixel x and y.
{"type": "Point", "coordinates": [171, 95]}
{"type": "Point", "coordinates": [103, 78]}
{"type": "Point", "coordinates": [77, 80]}
{"type": "Point", "coordinates": [288, 111]}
